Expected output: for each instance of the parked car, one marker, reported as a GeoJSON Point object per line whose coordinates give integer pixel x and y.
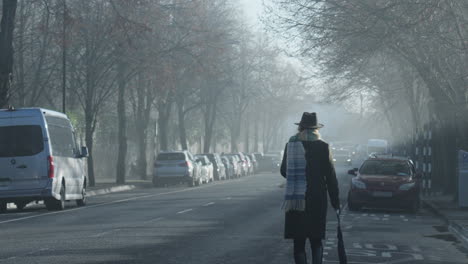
{"type": "Point", "coordinates": [207, 168]}
{"type": "Point", "coordinates": [254, 162]}
{"type": "Point", "coordinates": [250, 166]}
{"type": "Point", "coordinates": [40, 159]}
{"type": "Point", "coordinates": [176, 167]}
{"type": "Point", "coordinates": [243, 162]}
{"type": "Point", "coordinates": [385, 182]}
{"type": "Point", "coordinates": [229, 167]}
{"type": "Point", "coordinates": [236, 163]}
{"type": "Point", "coordinates": [218, 167]}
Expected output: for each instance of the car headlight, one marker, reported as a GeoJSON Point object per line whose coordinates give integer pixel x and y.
{"type": "Point", "coordinates": [334, 160]}
{"type": "Point", "coordinates": [358, 184]}
{"type": "Point", "coordinates": [407, 186]}
{"type": "Point", "coordinates": [348, 160]}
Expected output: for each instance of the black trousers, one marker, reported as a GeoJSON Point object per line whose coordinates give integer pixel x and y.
{"type": "Point", "coordinates": [300, 250]}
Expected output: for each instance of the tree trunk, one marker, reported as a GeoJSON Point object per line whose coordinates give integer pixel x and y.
{"type": "Point", "coordinates": [210, 118]}
{"type": "Point", "coordinates": [7, 25]}
{"type": "Point", "coordinates": [256, 136]}
{"type": "Point", "coordinates": [20, 51]}
{"type": "Point", "coordinates": [89, 143]}
{"type": "Point", "coordinates": [182, 130]}
{"type": "Point", "coordinates": [142, 122]}
{"type": "Point", "coordinates": [247, 136]}
{"type": "Point", "coordinates": [163, 122]}
{"type": "Point", "coordinates": [122, 137]}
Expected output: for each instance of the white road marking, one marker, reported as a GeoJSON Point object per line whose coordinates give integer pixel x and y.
{"type": "Point", "coordinates": [208, 204]}
{"type": "Point", "coordinates": [227, 198]}
{"type": "Point", "coordinates": [185, 211]}
{"type": "Point", "coordinates": [104, 233]}
{"type": "Point", "coordinates": [154, 220]}
{"type": "Point", "coordinates": [27, 254]}
{"type": "Point", "coordinates": [109, 203]}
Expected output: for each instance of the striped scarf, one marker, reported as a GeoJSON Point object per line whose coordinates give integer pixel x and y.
{"type": "Point", "coordinates": [296, 183]}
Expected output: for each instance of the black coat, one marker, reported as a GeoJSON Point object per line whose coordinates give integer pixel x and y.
{"type": "Point", "coordinates": [321, 178]}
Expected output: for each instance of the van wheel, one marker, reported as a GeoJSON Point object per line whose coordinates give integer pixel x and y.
{"type": "Point", "coordinates": [3, 207]}
{"type": "Point", "coordinates": [53, 204]}
{"type": "Point", "coordinates": [20, 205]}
{"type": "Point", "coordinates": [82, 201]}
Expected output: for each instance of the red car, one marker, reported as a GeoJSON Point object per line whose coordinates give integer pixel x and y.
{"type": "Point", "coordinates": [385, 182]}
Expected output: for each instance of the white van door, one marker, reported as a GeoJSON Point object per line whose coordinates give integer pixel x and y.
{"type": "Point", "coordinates": [65, 155]}
{"type": "Point", "coordinates": [23, 155]}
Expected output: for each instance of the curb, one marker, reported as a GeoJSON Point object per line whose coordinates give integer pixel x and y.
{"type": "Point", "coordinates": [453, 226]}
{"type": "Point", "coordinates": [114, 189]}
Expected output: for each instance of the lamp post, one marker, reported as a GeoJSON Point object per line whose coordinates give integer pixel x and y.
{"type": "Point", "coordinates": [64, 57]}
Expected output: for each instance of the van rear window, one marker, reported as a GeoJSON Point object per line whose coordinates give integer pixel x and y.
{"type": "Point", "coordinates": [171, 156]}
{"type": "Point", "coordinates": [19, 141]}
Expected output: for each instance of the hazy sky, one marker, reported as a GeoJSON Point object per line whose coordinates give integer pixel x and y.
{"type": "Point", "coordinates": [252, 9]}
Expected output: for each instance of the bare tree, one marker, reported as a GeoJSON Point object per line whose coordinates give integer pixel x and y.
{"type": "Point", "coordinates": [7, 25]}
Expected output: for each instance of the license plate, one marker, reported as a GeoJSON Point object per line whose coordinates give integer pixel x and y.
{"type": "Point", "coordinates": [382, 194]}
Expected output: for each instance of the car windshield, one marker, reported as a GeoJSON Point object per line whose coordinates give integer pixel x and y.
{"type": "Point", "coordinates": [16, 141]}
{"type": "Point", "coordinates": [385, 167]}
{"type": "Point", "coordinates": [171, 156]}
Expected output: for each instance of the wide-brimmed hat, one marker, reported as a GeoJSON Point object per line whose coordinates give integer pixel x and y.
{"type": "Point", "coordinates": [309, 120]}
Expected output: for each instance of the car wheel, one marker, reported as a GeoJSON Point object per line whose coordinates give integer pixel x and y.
{"type": "Point", "coordinates": [20, 205]}
{"type": "Point", "coordinates": [53, 204]}
{"type": "Point", "coordinates": [82, 201]}
{"type": "Point", "coordinates": [3, 207]}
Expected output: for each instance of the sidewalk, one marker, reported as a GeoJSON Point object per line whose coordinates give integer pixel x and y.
{"type": "Point", "coordinates": [455, 217]}
{"type": "Point", "coordinates": [104, 186]}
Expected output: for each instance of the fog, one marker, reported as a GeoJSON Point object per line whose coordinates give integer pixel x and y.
{"type": "Point", "coordinates": [140, 77]}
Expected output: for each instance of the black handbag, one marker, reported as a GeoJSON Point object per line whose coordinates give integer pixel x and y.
{"type": "Point", "coordinates": [341, 247]}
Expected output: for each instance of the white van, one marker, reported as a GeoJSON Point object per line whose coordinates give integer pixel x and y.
{"type": "Point", "coordinates": [40, 159]}
{"type": "Point", "coordinates": [377, 146]}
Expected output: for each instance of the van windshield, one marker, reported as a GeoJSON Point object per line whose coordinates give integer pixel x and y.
{"type": "Point", "coordinates": [17, 141]}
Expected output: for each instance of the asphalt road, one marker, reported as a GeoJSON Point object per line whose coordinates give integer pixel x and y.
{"type": "Point", "coordinates": [228, 222]}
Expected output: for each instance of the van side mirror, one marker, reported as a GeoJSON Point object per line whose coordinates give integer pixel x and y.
{"type": "Point", "coordinates": [353, 172]}
{"type": "Point", "coordinates": [84, 152]}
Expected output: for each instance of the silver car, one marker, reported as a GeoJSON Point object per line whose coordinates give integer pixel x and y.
{"type": "Point", "coordinates": [176, 167]}
{"type": "Point", "coordinates": [207, 168]}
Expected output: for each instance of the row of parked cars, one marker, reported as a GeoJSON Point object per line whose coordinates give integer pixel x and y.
{"type": "Point", "coordinates": [183, 167]}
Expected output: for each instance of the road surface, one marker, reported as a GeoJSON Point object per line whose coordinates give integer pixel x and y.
{"type": "Point", "coordinates": [228, 222]}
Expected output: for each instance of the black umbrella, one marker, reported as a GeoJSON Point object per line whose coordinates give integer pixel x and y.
{"type": "Point", "coordinates": [341, 247]}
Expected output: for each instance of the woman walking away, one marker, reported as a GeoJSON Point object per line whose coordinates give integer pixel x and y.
{"type": "Point", "coordinates": [309, 173]}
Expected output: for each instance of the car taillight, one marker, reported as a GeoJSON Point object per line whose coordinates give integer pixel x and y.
{"type": "Point", "coordinates": [184, 164]}
{"type": "Point", "coordinates": [50, 167]}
